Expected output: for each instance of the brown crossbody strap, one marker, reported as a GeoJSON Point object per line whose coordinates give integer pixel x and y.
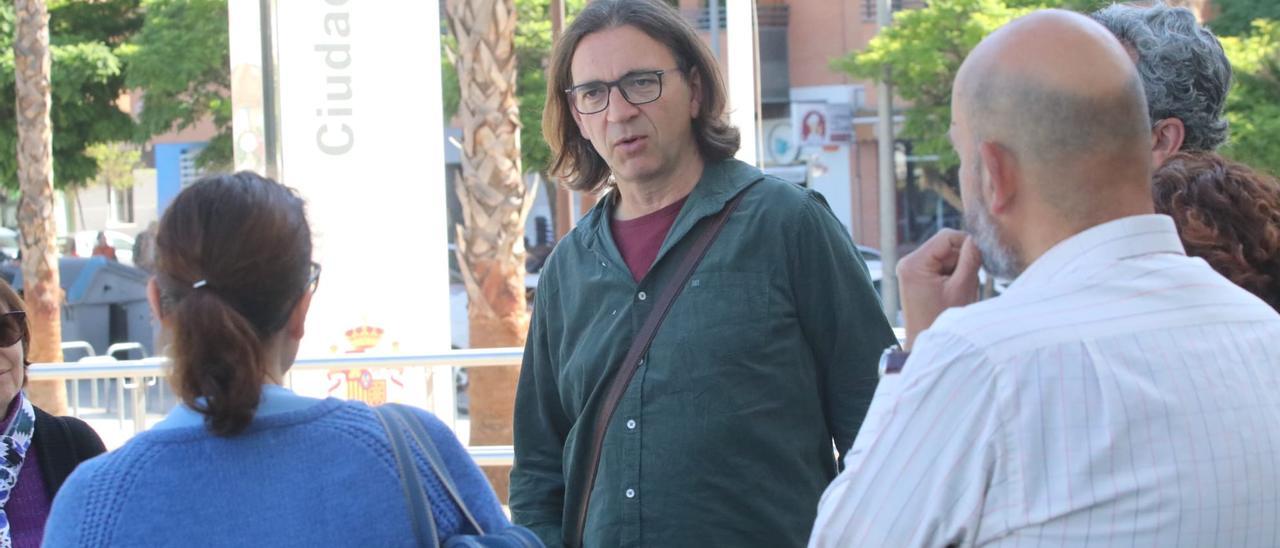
{"type": "Point", "coordinates": [635, 357]}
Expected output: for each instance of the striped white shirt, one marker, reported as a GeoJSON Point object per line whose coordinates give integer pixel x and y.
{"type": "Point", "coordinates": [1119, 393]}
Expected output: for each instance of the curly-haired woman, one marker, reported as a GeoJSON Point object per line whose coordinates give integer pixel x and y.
{"type": "Point", "coordinates": [1228, 214]}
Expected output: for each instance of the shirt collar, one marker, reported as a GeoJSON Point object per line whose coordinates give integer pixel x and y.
{"type": "Point", "coordinates": [719, 183]}
{"type": "Point", "coordinates": [1093, 249]}
{"type": "Point", "coordinates": [276, 399]}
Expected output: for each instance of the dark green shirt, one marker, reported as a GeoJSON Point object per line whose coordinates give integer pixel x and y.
{"type": "Point", "coordinates": [724, 437]}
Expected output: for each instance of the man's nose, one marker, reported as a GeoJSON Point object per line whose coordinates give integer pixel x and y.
{"type": "Point", "coordinates": [620, 109]}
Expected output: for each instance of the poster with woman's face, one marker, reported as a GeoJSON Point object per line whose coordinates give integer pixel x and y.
{"type": "Point", "coordinates": [813, 128]}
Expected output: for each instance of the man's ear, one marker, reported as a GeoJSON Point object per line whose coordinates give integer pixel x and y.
{"type": "Point", "coordinates": [1166, 140]}
{"type": "Point", "coordinates": [1002, 178]}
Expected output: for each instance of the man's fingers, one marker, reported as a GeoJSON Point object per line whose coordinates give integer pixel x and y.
{"type": "Point", "coordinates": [970, 259]}
{"type": "Point", "coordinates": [945, 250]}
{"type": "Point", "coordinates": [965, 276]}
{"type": "Point", "coordinates": [937, 256]}
{"type": "Point", "coordinates": [948, 238]}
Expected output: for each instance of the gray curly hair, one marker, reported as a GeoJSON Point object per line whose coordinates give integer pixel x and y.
{"type": "Point", "coordinates": [1184, 71]}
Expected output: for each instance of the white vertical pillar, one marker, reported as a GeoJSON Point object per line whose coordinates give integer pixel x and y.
{"type": "Point", "coordinates": [360, 138]}
{"type": "Point", "coordinates": [248, 135]}
{"type": "Point", "coordinates": [744, 97]}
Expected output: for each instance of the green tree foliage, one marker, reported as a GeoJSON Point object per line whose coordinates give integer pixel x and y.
{"type": "Point", "coordinates": [1235, 17]}
{"type": "Point", "coordinates": [533, 48]}
{"type": "Point", "coordinates": [116, 162]}
{"type": "Point", "coordinates": [87, 81]}
{"type": "Point", "coordinates": [1253, 107]}
{"type": "Point", "coordinates": [180, 59]}
{"type": "Point", "coordinates": [451, 90]}
{"type": "Point", "coordinates": [925, 48]}
{"type": "Point", "coordinates": [111, 22]}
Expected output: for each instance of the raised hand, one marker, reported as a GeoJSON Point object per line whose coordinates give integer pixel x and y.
{"type": "Point", "coordinates": [941, 274]}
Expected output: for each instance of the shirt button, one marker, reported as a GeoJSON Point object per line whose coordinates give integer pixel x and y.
{"type": "Point", "coordinates": [631, 424]}
{"type": "Point", "coordinates": [642, 296]}
{"type": "Point", "coordinates": [631, 493]}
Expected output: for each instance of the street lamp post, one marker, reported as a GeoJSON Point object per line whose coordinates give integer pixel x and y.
{"type": "Point", "coordinates": [888, 202]}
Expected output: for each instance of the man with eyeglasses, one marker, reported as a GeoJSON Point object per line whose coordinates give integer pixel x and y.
{"type": "Point", "coordinates": [764, 366]}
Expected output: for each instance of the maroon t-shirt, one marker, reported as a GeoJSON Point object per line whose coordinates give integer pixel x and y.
{"type": "Point", "coordinates": [639, 239]}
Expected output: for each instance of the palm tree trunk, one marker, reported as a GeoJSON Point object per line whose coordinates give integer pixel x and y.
{"type": "Point", "coordinates": [495, 203]}
{"type": "Point", "coordinates": [42, 293]}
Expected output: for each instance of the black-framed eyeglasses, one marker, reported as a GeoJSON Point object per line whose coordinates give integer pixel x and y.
{"type": "Point", "coordinates": [638, 88]}
{"type": "Point", "coordinates": [313, 283]}
{"type": "Point", "coordinates": [13, 327]}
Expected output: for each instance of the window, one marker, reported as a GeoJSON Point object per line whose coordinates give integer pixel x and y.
{"type": "Point", "coordinates": [120, 202]}
{"type": "Point", "coordinates": [188, 171]}
{"type": "Point", "coordinates": [869, 7]}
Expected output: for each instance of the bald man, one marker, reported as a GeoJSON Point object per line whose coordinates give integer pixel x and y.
{"type": "Point", "coordinates": [1119, 393]}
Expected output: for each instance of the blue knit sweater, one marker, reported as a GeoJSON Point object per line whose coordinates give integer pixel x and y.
{"type": "Point", "coordinates": [305, 473]}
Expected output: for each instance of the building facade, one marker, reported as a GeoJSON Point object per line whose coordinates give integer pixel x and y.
{"type": "Point", "coordinates": [818, 124]}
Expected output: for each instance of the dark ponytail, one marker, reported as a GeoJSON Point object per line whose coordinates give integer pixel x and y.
{"type": "Point", "coordinates": [233, 258]}
{"type": "Point", "coordinates": [217, 355]}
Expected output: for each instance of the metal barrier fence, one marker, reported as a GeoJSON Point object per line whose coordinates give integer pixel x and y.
{"type": "Point", "coordinates": [136, 375]}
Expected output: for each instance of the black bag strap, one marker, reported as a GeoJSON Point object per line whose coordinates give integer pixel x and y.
{"type": "Point", "coordinates": [420, 518]}
{"type": "Point", "coordinates": [635, 358]}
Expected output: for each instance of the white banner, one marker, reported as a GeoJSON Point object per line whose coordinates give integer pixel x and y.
{"type": "Point", "coordinates": [247, 114]}
{"type": "Point", "coordinates": [743, 101]}
{"type": "Point", "coordinates": [360, 134]}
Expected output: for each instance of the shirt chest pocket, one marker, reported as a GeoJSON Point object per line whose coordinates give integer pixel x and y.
{"type": "Point", "coordinates": [719, 313]}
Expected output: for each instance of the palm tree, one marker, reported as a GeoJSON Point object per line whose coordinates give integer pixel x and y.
{"type": "Point", "coordinates": [42, 293]}
{"type": "Point", "coordinates": [495, 203]}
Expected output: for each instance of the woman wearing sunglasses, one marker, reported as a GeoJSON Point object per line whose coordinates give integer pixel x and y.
{"type": "Point", "coordinates": [243, 460]}
{"type": "Point", "coordinates": [39, 450]}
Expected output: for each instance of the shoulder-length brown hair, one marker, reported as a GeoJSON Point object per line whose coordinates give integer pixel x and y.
{"type": "Point", "coordinates": [574, 160]}
{"type": "Point", "coordinates": [1227, 214]}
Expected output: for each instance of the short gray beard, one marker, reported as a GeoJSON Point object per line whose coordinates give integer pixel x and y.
{"type": "Point", "coordinates": [998, 259]}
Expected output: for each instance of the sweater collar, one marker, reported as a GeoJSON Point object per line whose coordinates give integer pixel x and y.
{"type": "Point", "coordinates": [276, 399]}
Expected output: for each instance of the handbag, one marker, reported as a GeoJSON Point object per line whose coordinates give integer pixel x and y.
{"type": "Point", "coordinates": [397, 420]}
{"type": "Point", "coordinates": [635, 358]}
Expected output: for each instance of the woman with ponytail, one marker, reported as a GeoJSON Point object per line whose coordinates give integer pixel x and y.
{"type": "Point", "coordinates": [243, 460]}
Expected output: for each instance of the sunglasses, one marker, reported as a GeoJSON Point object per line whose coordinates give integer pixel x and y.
{"type": "Point", "coordinates": [13, 327]}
